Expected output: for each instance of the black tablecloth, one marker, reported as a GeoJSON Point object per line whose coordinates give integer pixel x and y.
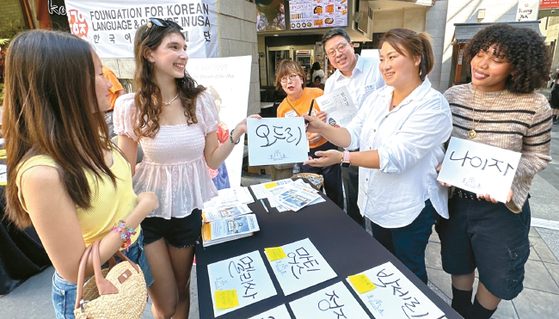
{"type": "Point", "coordinates": [347, 247]}
{"type": "Point", "coordinates": [21, 253]}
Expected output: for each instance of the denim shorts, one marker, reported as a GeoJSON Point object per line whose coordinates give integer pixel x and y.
{"type": "Point", "coordinates": [64, 293]}
{"type": "Point", "coordinates": [489, 237]}
{"type": "Point", "coordinates": [177, 232]}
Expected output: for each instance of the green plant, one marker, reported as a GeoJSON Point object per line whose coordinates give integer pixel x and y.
{"type": "Point", "coordinates": [9, 30]}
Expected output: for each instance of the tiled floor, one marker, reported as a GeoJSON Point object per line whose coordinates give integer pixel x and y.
{"type": "Point", "coordinates": [540, 297]}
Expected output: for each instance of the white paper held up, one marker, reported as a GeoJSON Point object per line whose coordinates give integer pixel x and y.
{"type": "Point", "coordinates": [479, 168]}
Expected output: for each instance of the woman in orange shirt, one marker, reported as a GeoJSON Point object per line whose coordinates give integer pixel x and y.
{"type": "Point", "coordinates": [289, 76]}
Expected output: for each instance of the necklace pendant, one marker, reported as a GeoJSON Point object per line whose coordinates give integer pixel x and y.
{"type": "Point", "coordinates": [471, 134]}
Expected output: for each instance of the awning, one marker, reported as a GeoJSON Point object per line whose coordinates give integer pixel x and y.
{"type": "Point", "coordinates": [463, 32]}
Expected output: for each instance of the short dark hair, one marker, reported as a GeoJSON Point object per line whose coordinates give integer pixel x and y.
{"type": "Point", "coordinates": [332, 33]}
{"type": "Point", "coordinates": [523, 48]}
{"type": "Point", "coordinates": [413, 44]}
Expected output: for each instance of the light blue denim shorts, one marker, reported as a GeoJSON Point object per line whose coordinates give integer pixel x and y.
{"type": "Point", "coordinates": [64, 293]}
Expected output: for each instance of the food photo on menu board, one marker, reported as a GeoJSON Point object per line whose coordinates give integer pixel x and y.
{"type": "Point", "coordinates": [307, 14]}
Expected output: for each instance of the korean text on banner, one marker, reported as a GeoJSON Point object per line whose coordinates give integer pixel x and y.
{"type": "Point", "coordinates": [110, 25]}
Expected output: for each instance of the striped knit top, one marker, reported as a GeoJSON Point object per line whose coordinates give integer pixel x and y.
{"type": "Point", "coordinates": [513, 121]}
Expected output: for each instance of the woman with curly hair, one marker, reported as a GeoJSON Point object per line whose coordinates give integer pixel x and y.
{"type": "Point", "coordinates": [499, 108]}
{"type": "Point", "coordinates": [175, 120]}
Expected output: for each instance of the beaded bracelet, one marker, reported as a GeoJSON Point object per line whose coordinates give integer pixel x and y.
{"type": "Point", "coordinates": [125, 233]}
{"type": "Point", "coordinates": [231, 138]}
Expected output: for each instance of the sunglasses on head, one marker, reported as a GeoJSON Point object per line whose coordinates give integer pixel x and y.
{"type": "Point", "coordinates": [162, 23]}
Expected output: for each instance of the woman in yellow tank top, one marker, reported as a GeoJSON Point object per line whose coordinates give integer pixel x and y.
{"type": "Point", "coordinates": [64, 176]}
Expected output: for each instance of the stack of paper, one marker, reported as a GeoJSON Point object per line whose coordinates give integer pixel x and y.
{"type": "Point", "coordinates": [294, 196]}
{"type": "Point", "coordinates": [214, 214]}
{"type": "Point", "coordinates": [224, 230]}
{"type": "Point", "coordinates": [229, 197]}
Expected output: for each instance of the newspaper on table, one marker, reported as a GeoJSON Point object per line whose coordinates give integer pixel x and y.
{"type": "Point", "coordinates": [211, 215]}
{"type": "Point", "coordinates": [393, 295]}
{"type": "Point", "coordinates": [294, 196]}
{"type": "Point", "coordinates": [261, 190]}
{"type": "Point", "coordinates": [238, 282]}
{"type": "Point", "coordinates": [229, 197]}
{"type": "Point", "coordinates": [335, 301]}
{"type": "Point", "coordinates": [224, 230]}
{"type": "Point", "coordinates": [338, 104]}
{"type": "Point", "coordinates": [298, 265]}
{"type": "Point", "coordinates": [279, 312]}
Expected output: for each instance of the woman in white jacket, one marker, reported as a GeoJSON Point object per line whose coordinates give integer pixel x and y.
{"type": "Point", "coordinates": [400, 130]}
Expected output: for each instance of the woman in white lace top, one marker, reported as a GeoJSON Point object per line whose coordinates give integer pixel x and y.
{"type": "Point", "coordinates": [175, 121]}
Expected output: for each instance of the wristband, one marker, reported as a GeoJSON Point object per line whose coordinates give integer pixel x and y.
{"type": "Point", "coordinates": [125, 233]}
{"type": "Point", "coordinates": [231, 138]}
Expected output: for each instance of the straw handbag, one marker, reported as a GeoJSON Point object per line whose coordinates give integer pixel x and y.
{"type": "Point", "coordinates": [118, 292]}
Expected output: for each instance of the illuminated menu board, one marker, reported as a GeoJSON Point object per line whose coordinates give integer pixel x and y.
{"type": "Point", "coordinates": [307, 14]}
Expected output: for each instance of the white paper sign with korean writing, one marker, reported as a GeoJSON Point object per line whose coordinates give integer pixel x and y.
{"type": "Point", "coordinates": [110, 25]}
{"type": "Point", "coordinates": [303, 267]}
{"type": "Point", "coordinates": [333, 302]}
{"type": "Point", "coordinates": [279, 312]}
{"type": "Point", "coordinates": [246, 274]}
{"type": "Point", "coordinates": [479, 168]}
{"type": "Point", "coordinates": [339, 107]}
{"type": "Point", "coordinates": [395, 296]}
{"type": "Point", "coordinates": [277, 141]}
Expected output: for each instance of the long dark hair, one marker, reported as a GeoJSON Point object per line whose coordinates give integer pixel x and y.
{"type": "Point", "coordinates": [148, 98]}
{"type": "Point", "coordinates": [50, 108]}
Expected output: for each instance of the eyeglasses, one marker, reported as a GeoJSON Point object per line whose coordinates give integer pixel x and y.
{"type": "Point", "coordinates": [159, 23]}
{"type": "Point", "coordinates": [291, 77]}
{"type": "Point", "coordinates": [341, 47]}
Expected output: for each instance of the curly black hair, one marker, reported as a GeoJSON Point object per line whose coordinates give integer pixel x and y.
{"type": "Point", "coordinates": [522, 47]}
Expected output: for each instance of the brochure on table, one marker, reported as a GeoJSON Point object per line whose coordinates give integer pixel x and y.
{"type": "Point", "coordinates": [245, 275]}
{"type": "Point", "coordinates": [229, 197]}
{"type": "Point", "coordinates": [479, 168]}
{"type": "Point", "coordinates": [394, 296]}
{"type": "Point", "coordinates": [224, 230]}
{"type": "Point", "coordinates": [262, 190]}
{"type": "Point", "coordinates": [338, 104]}
{"type": "Point", "coordinates": [299, 265]}
{"type": "Point", "coordinates": [211, 215]}
{"type": "Point", "coordinates": [335, 301]}
{"type": "Point", "coordinates": [279, 312]}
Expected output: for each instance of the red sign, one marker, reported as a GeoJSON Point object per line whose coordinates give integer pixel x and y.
{"type": "Point", "coordinates": [549, 4]}
{"type": "Point", "coordinates": [78, 25]}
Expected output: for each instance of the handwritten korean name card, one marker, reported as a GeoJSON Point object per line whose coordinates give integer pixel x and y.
{"type": "Point", "coordinates": [303, 267]}
{"type": "Point", "coordinates": [277, 141]}
{"type": "Point", "coordinates": [246, 274]}
{"type": "Point", "coordinates": [479, 168]}
{"type": "Point", "coordinates": [334, 302]}
{"type": "Point", "coordinates": [395, 296]}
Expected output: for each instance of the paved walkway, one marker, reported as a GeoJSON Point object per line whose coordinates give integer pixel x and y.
{"type": "Point", "coordinates": [538, 300]}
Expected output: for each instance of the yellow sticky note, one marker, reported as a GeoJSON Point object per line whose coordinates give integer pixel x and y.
{"type": "Point", "coordinates": [275, 253]}
{"type": "Point", "coordinates": [225, 299]}
{"type": "Point", "coordinates": [361, 283]}
{"type": "Point", "coordinates": [270, 185]}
